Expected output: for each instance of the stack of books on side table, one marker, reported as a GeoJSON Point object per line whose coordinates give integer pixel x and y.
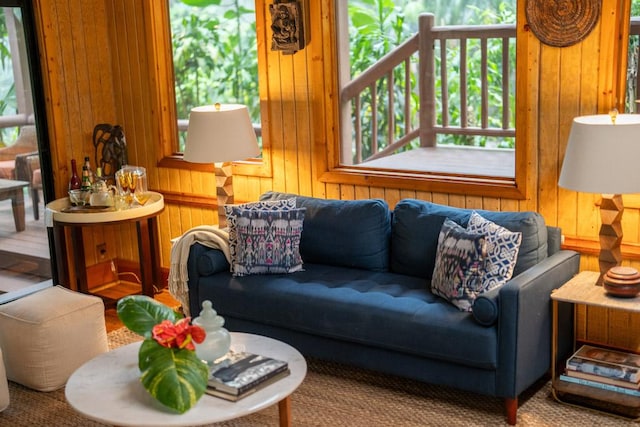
{"type": "Point", "coordinates": [239, 374]}
{"type": "Point", "coordinates": [606, 369]}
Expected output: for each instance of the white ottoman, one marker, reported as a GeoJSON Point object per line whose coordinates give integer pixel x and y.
{"type": "Point", "coordinates": [4, 386]}
{"type": "Point", "coordinates": [47, 335]}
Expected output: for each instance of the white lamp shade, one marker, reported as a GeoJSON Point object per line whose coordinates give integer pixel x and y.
{"type": "Point", "coordinates": [220, 133]}
{"type": "Point", "coordinates": [603, 157]}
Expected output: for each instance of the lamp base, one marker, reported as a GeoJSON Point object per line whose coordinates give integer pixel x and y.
{"type": "Point", "coordinates": [224, 189]}
{"type": "Point", "coordinates": [611, 209]}
{"type": "Point", "coordinates": [622, 282]}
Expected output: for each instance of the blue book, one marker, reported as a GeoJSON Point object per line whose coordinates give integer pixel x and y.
{"type": "Point", "coordinates": [603, 386]}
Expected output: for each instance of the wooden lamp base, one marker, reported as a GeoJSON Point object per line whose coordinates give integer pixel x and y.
{"type": "Point", "coordinates": [224, 189]}
{"type": "Point", "coordinates": [611, 209]}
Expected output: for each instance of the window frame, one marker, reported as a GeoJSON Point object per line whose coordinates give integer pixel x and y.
{"type": "Point", "coordinates": [161, 64]}
{"type": "Point", "coordinates": [514, 188]}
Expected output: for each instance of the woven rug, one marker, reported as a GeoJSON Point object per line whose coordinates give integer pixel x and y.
{"type": "Point", "coordinates": [337, 395]}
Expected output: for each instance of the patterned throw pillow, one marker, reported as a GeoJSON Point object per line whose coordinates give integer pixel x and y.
{"type": "Point", "coordinates": [502, 250]}
{"type": "Point", "coordinates": [268, 242]}
{"type": "Point", "coordinates": [459, 266]}
{"type": "Point", "coordinates": [231, 213]}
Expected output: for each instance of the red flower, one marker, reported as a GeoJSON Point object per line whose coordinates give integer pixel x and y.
{"type": "Point", "coordinates": [181, 335]}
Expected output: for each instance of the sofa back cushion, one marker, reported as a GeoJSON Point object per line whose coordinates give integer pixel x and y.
{"type": "Point", "coordinates": [349, 233]}
{"type": "Point", "coordinates": [414, 221]}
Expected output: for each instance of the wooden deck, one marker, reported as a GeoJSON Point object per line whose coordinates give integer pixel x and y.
{"type": "Point", "coordinates": [453, 160]}
{"type": "Point", "coordinates": [24, 256]}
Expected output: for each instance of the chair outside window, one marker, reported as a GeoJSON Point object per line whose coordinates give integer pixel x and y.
{"type": "Point", "coordinates": [28, 169]}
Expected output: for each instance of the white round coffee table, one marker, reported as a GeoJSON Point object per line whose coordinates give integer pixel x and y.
{"type": "Point", "coordinates": [108, 389]}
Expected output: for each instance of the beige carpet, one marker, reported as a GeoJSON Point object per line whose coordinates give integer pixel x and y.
{"type": "Point", "coordinates": [335, 395]}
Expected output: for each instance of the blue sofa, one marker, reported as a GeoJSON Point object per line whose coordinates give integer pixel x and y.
{"type": "Point", "coordinates": [364, 299]}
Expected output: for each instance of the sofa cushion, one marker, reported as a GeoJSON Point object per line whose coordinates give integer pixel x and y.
{"type": "Point", "coordinates": [533, 247]}
{"type": "Point", "coordinates": [414, 240]}
{"type": "Point", "coordinates": [350, 233]}
{"type": "Point", "coordinates": [502, 250]}
{"type": "Point", "coordinates": [460, 265]}
{"type": "Point", "coordinates": [379, 309]}
{"type": "Point", "coordinates": [268, 241]}
{"type": "Point", "coordinates": [231, 214]}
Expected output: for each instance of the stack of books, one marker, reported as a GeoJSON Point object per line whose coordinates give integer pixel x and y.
{"type": "Point", "coordinates": [239, 374]}
{"type": "Point", "coordinates": [606, 369]}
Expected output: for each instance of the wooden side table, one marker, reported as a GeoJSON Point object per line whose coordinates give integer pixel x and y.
{"type": "Point", "coordinates": [10, 189]}
{"type": "Point", "coordinates": [145, 218]}
{"type": "Point", "coordinates": [582, 290]}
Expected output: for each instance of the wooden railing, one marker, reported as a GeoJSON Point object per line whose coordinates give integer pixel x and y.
{"type": "Point", "coordinates": [633, 74]}
{"type": "Point", "coordinates": [396, 72]}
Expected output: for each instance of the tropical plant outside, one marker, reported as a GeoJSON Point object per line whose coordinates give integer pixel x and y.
{"type": "Point", "coordinates": [632, 68]}
{"type": "Point", "coordinates": [214, 55]}
{"type": "Point", "coordinates": [8, 103]}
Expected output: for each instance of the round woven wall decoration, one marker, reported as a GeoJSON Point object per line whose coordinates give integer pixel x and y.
{"type": "Point", "coordinates": [562, 23]}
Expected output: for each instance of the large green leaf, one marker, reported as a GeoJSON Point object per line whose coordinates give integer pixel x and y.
{"type": "Point", "coordinates": [175, 377]}
{"type": "Point", "coordinates": [141, 313]}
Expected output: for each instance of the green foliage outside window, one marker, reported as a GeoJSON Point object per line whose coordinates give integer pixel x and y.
{"type": "Point", "coordinates": [8, 103]}
{"type": "Point", "coordinates": [378, 26]}
{"type": "Point", "coordinates": [215, 58]}
{"type": "Point", "coordinates": [215, 55]}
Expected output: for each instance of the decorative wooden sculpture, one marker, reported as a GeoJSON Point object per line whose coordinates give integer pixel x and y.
{"type": "Point", "coordinates": [287, 25]}
{"type": "Point", "coordinates": [109, 143]}
{"type": "Point", "coordinates": [562, 23]}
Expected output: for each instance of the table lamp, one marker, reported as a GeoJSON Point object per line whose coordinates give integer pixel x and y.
{"type": "Point", "coordinates": [603, 156]}
{"type": "Point", "coordinates": [220, 134]}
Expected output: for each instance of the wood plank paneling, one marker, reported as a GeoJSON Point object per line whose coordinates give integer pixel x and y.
{"type": "Point", "coordinates": [102, 62]}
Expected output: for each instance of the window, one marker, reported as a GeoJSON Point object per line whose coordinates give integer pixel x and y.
{"type": "Point", "coordinates": [214, 56]}
{"type": "Point", "coordinates": [445, 114]}
{"type": "Point", "coordinates": [633, 77]}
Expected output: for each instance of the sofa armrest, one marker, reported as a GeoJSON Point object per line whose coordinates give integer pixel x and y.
{"type": "Point", "coordinates": [524, 322]}
{"type": "Point", "coordinates": [202, 261]}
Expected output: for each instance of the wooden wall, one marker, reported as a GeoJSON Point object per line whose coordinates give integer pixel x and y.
{"type": "Point", "coordinates": [100, 63]}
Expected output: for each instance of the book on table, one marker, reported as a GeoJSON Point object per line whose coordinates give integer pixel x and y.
{"type": "Point", "coordinates": [610, 370]}
{"type": "Point", "coordinates": [241, 373]}
{"type": "Point", "coordinates": [600, 385]}
{"type": "Point", "coordinates": [603, 379]}
{"type": "Point", "coordinates": [620, 359]}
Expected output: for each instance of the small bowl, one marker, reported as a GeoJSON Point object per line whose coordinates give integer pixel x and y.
{"type": "Point", "coordinates": [79, 197]}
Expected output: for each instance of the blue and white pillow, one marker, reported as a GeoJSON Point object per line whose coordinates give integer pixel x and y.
{"type": "Point", "coordinates": [268, 242]}
{"type": "Point", "coordinates": [502, 250]}
{"type": "Point", "coordinates": [231, 213]}
{"type": "Point", "coordinates": [460, 265]}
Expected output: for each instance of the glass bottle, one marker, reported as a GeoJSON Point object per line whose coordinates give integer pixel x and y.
{"type": "Point", "coordinates": [87, 163]}
{"type": "Point", "coordinates": [86, 183]}
{"type": "Point", "coordinates": [74, 182]}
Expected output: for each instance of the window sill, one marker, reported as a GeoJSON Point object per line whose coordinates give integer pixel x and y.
{"type": "Point", "coordinates": [255, 167]}
{"type": "Point", "coordinates": [420, 181]}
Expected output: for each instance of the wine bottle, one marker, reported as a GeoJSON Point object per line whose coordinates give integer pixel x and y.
{"type": "Point", "coordinates": [87, 163]}
{"type": "Point", "coordinates": [74, 182]}
{"type": "Point", "coordinates": [86, 182]}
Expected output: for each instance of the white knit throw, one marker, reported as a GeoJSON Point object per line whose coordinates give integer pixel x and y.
{"type": "Point", "coordinates": [207, 235]}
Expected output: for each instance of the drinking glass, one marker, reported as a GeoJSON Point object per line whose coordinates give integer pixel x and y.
{"type": "Point", "coordinates": [131, 182]}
